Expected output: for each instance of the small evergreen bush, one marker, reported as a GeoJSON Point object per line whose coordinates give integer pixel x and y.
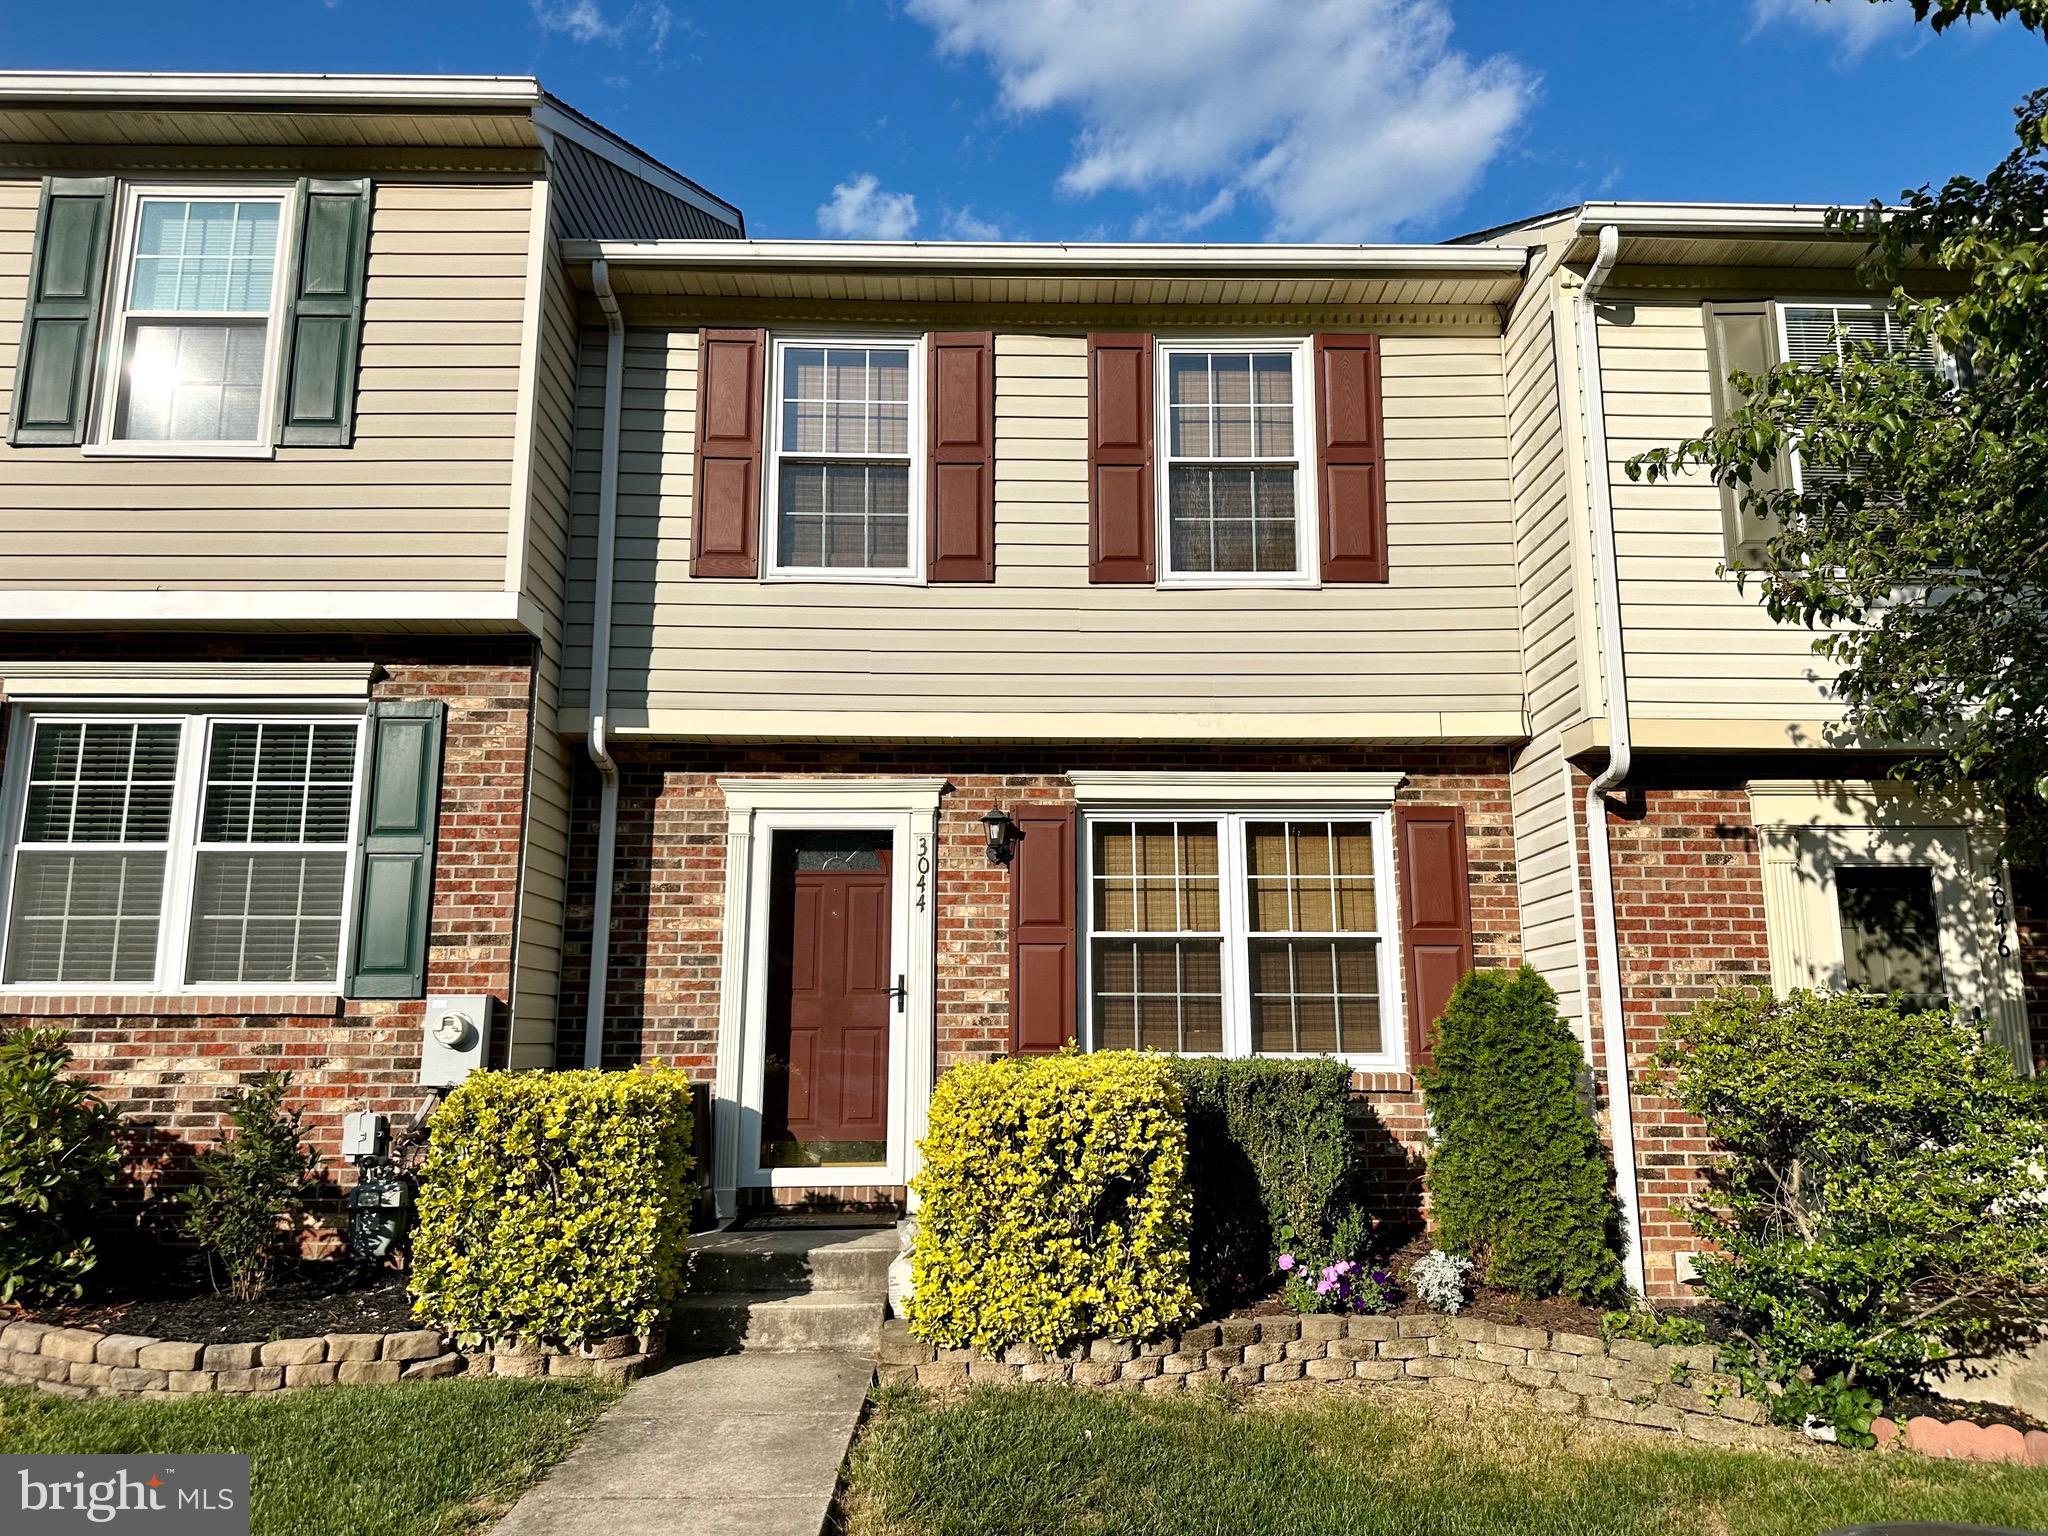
{"type": "Point", "coordinates": [554, 1206]}
{"type": "Point", "coordinates": [1518, 1180]}
{"type": "Point", "coordinates": [59, 1152]}
{"type": "Point", "coordinates": [1272, 1164]}
{"type": "Point", "coordinates": [1881, 1205]}
{"type": "Point", "coordinates": [251, 1188]}
{"type": "Point", "coordinates": [1053, 1203]}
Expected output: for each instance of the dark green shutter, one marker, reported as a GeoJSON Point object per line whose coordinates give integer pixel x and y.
{"type": "Point", "coordinates": [323, 327]}
{"type": "Point", "coordinates": [395, 881]}
{"type": "Point", "coordinates": [1742, 337]}
{"type": "Point", "coordinates": [61, 325]}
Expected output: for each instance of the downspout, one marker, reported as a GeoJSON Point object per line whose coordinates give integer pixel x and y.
{"type": "Point", "coordinates": [1606, 943]}
{"type": "Point", "coordinates": [601, 665]}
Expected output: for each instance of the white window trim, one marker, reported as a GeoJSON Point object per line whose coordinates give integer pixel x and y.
{"type": "Point", "coordinates": [116, 317]}
{"type": "Point", "coordinates": [1308, 523]}
{"type": "Point", "coordinates": [772, 569]}
{"type": "Point", "coordinates": [1235, 909]}
{"type": "Point", "coordinates": [181, 855]}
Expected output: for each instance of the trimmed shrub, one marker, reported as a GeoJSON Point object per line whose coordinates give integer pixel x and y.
{"type": "Point", "coordinates": [1881, 1207]}
{"type": "Point", "coordinates": [1053, 1203]}
{"type": "Point", "coordinates": [1518, 1180]}
{"type": "Point", "coordinates": [59, 1152]}
{"type": "Point", "coordinates": [1272, 1164]}
{"type": "Point", "coordinates": [251, 1187]}
{"type": "Point", "coordinates": [554, 1206]}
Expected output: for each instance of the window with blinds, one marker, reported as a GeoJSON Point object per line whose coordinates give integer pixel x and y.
{"type": "Point", "coordinates": [196, 320]}
{"type": "Point", "coordinates": [197, 852]}
{"type": "Point", "coordinates": [1241, 935]}
{"type": "Point", "coordinates": [845, 438]}
{"type": "Point", "coordinates": [1820, 336]}
{"type": "Point", "coordinates": [1234, 451]}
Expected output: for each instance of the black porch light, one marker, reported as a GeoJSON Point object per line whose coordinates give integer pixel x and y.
{"type": "Point", "coordinates": [1000, 831]}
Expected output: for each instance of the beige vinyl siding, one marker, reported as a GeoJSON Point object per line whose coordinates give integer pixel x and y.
{"type": "Point", "coordinates": [1040, 649]}
{"type": "Point", "coordinates": [1550, 577]}
{"type": "Point", "coordinates": [420, 500]}
{"type": "Point", "coordinates": [544, 880]}
{"type": "Point", "coordinates": [1696, 646]}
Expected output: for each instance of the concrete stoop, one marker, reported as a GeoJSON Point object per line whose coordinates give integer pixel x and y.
{"type": "Point", "coordinates": [785, 1292]}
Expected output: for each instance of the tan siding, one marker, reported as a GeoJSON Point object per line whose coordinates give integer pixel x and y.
{"type": "Point", "coordinates": [1546, 869]}
{"type": "Point", "coordinates": [1697, 647]}
{"type": "Point", "coordinates": [1040, 643]}
{"type": "Point", "coordinates": [419, 500]}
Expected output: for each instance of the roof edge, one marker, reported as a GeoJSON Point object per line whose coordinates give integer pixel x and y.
{"type": "Point", "coordinates": [1013, 256]}
{"type": "Point", "coordinates": [115, 88]}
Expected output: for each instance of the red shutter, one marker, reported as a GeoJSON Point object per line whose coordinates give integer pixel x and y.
{"type": "Point", "coordinates": [1350, 458]}
{"type": "Point", "coordinates": [963, 457]}
{"type": "Point", "coordinates": [1042, 945]}
{"type": "Point", "coordinates": [1120, 458]}
{"type": "Point", "coordinates": [725, 523]}
{"type": "Point", "coordinates": [1436, 913]}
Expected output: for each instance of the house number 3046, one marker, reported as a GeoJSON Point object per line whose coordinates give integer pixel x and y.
{"type": "Point", "coordinates": [924, 871]}
{"type": "Point", "coordinates": [1998, 915]}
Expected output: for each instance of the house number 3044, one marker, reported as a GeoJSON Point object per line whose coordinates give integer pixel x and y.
{"type": "Point", "coordinates": [924, 871]}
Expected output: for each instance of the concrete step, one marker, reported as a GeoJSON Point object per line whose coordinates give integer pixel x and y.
{"type": "Point", "coordinates": [831, 1322]}
{"type": "Point", "coordinates": [780, 1263]}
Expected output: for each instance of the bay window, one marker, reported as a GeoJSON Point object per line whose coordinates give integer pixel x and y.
{"type": "Point", "coordinates": [173, 852]}
{"type": "Point", "coordinates": [1242, 933]}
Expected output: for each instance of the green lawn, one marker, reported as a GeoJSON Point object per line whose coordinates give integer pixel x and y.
{"type": "Point", "coordinates": [421, 1459]}
{"type": "Point", "coordinates": [1044, 1459]}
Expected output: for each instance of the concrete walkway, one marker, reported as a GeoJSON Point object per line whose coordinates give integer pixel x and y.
{"type": "Point", "coordinates": [748, 1443]}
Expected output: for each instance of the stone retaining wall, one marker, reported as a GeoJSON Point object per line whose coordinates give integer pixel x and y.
{"type": "Point", "coordinates": [84, 1362]}
{"type": "Point", "coordinates": [1668, 1387]}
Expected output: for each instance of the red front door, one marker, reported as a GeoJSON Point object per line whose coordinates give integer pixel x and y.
{"type": "Point", "coordinates": [830, 1001]}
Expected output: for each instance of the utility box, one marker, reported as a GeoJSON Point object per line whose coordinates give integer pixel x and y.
{"type": "Point", "coordinates": [364, 1135]}
{"type": "Point", "coordinates": [456, 1030]}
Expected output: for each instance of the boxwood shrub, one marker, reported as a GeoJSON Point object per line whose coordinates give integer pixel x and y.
{"type": "Point", "coordinates": [1053, 1203]}
{"type": "Point", "coordinates": [59, 1154]}
{"type": "Point", "coordinates": [1272, 1162]}
{"type": "Point", "coordinates": [554, 1206]}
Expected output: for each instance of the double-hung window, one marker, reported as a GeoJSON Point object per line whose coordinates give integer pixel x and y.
{"type": "Point", "coordinates": [1236, 507]}
{"type": "Point", "coordinates": [1820, 335]}
{"type": "Point", "coordinates": [196, 323]}
{"type": "Point", "coordinates": [846, 474]}
{"type": "Point", "coordinates": [1243, 934]}
{"type": "Point", "coordinates": [188, 852]}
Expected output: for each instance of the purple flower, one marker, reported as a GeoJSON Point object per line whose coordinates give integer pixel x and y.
{"type": "Point", "coordinates": [1286, 1262]}
{"type": "Point", "coordinates": [1344, 1266]}
{"type": "Point", "coordinates": [1324, 1287]}
{"type": "Point", "coordinates": [1380, 1277]}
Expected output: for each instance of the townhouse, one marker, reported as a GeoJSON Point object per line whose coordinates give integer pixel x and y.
{"type": "Point", "coordinates": [433, 538]}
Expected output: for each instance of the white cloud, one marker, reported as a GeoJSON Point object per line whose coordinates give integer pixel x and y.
{"type": "Point", "coordinates": [1346, 119]}
{"type": "Point", "coordinates": [584, 21]}
{"type": "Point", "coordinates": [966, 224]}
{"type": "Point", "coordinates": [1855, 26]}
{"type": "Point", "coordinates": [861, 210]}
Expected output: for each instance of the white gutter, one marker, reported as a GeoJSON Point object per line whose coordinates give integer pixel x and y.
{"type": "Point", "coordinates": [1606, 943]}
{"type": "Point", "coordinates": [1029, 256]}
{"type": "Point", "coordinates": [601, 667]}
{"type": "Point", "coordinates": [507, 92]}
{"type": "Point", "coordinates": [1707, 218]}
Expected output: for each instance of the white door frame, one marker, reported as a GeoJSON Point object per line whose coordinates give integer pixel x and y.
{"type": "Point", "coordinates": [755, 810]}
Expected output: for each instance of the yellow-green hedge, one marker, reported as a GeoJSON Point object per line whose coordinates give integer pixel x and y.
{"type": "Point", "coordinates": [1053, 1203]}
{"type": "Point", "coordinates": [554, 1205]}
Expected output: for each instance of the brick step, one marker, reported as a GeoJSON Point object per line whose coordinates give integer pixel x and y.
{"type": "Point", "coordinates": [835, 1322]}
{"type": "Point", "coordinates": [783, 1263]}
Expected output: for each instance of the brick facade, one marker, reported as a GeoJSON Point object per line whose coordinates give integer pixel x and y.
{"type": "Point", "coordinates": [166, 1062]}
{"type": "Point", "coordinates": [669, 890]}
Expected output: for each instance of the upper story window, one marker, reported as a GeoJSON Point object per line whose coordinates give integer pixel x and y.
{"type": "Point", "coordinates": [195, 322]}
{"type": "Point", "coordinates": [846, 470]}
{"type": "Point", "coordinates": [180, 852]}
{"type": "Point", "coordinates": [1237, 507]}
{"type": "Point", "coordinates": [1820, 335]}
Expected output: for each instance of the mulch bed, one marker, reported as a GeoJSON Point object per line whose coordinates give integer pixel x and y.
{"type": "Point", "coordinates": [308, 1298]}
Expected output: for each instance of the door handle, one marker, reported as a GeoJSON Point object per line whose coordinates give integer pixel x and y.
{"type": "Point", "coordinates": [899, 991]}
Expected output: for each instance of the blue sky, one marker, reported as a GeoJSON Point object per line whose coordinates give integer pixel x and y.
{"type": "Point", "coordinates": [1168, 119]}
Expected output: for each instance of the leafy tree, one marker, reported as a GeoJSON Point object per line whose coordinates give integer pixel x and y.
{"type": "Point", "coordinates": [1918, 547]}
{"type": "Point", "coordinates": [1878, 1207]}
{"type": "Point", "coordinates": [252, 1186]}
{"type": "Point", "coordinates": [59, 1152]}
{"type": "Point", "coordinates": [1518, 1179]}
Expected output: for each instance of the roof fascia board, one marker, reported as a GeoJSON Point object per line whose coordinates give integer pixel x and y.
{"type": "Point", "coordinates": [486, 92]}
{"type": "Point", "coordinates": [1707, 219]}
{"type": "Point", "coordinates": [841, 255]}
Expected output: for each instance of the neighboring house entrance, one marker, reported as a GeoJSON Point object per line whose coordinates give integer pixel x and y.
{"type": "Point", "coordinates": [831, 998]}
{"type": "Point", "coordinates": [826, 1025]}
